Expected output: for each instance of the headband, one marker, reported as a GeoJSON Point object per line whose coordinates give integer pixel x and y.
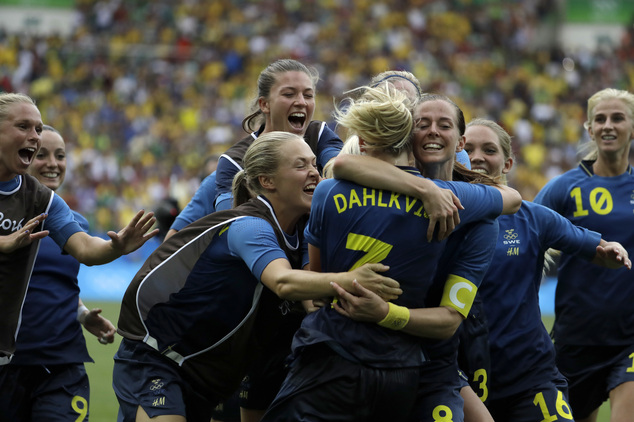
{"type": "Point", "coordinates": [397, 76]}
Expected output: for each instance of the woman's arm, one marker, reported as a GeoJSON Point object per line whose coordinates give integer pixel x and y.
{"type": "Point", "coordinates": [612, 255]}
{"type": "Point", "coordinates": [96, 324]}
{"type": "Point", "coordinates": [441, 205]}
{"type": "Point", "coordinates": [362, 305]}
{"type": "Point", "coordinates": [292, 284]}
{"type": "Point", "coordinates": [92, 250]}
{"type": "Point", "coordinates": [511, 199]}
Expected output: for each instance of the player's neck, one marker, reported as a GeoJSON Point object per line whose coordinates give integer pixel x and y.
{"type": "Point", "coordinates": [610, 166]}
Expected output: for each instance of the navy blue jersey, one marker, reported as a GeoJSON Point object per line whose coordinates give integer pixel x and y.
{"type": "Point", "coordinates": [522, 353]}
{"type": "Point", "coordinates": [593, 304]}
{"type": "Point", "coordinates": [467, 255]}
{"type": "Point", "coordinates": [50, 333]}
{"type": "Point", "coordinates": [352, 225]}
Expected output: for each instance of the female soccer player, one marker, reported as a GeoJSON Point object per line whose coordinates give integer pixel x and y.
{"type": "Point", "coordinates": [285, 102]}
{"type": "Point", "coordinates": [524, 384]}
{"type": "Point", "coordinates": [26, 206]}
{"type": "Point", "coordinates": [594, 322]}
{"type": "Point", "coordinates": [205, 303]}
{"type": "Point", "coordinates": [349, 370]}
{"type": "Point", "coordinates": [437, 136]}
{"type": "Point", "coordinates": [46, 378]}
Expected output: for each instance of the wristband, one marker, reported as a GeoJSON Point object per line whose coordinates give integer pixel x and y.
{"type": "Point", "coordinates": [397, 317]}
{"type": "Point", "coordinates": [80, 314]}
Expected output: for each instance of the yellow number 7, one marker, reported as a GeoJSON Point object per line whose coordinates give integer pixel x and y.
{"type": "Point", "coordinates": [376, 251]}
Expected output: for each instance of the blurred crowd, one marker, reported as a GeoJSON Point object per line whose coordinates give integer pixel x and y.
{"type": "Point", "coordinates": [146, 94]}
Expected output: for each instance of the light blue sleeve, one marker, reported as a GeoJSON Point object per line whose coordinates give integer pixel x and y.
{"type": "Point", "coordinates": [254, 241]}
{"type": "Point", "coordinates": [224, 201]}
{"type": "Point", "coordinates": [225, 172]}
{"type": "Point", "coordinates": [201, 204]}
{"type": "Point", "coordinates": [61, 222]}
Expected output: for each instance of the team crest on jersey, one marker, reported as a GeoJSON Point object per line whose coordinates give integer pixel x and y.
{"type": "Point", "coordinates": [511, 239]}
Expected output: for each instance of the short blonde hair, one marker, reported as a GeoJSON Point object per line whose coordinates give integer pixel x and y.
{"type": "Point", "coordinates": [381, 116]}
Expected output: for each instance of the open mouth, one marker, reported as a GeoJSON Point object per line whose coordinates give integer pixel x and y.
{"type": "Point", "coordinates": [26, 155]}
{"type": "Point", "coordinates": [480, 170]}
{"type": "Point", "coordinates": [50, 175]}
{"type": "Point", "coordinates": [297, 120]}
{"type": "Point", "coordinates": [432, 147]}
{"type": "Point", "coordinates": [309, 189]}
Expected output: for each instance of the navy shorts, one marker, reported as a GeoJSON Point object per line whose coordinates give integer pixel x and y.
{"type": "Point", "coordinates": [228, 410]}
{"type": "Point", "coordinates": [260, 386]}
{"type": "Point", "coordinates": [548, 401]}
{"type": "Point", "coordinates": [323, 386]}
{"type": "Point", "coordinates": [142, 377]}
{"type": "Point", "coordinates": [439, 401]}
{"type": "Point", "coordinates": [474, 358]}
{"type": "Point", "coordinates": [592, 372]}
{"type": "Point", "coordinates": [44, 393]}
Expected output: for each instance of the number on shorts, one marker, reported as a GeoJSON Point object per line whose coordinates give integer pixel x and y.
{"type": "Point", "coordinates": [480, 376]}
{"type": "Point", "coordinates": [562, 407]}
{"type": "Point", "coordinates": [80, 405]}
{"type": "Point", "coordinates": [631, 368]}
{"type": "Point", "coordinates": [442, 413]}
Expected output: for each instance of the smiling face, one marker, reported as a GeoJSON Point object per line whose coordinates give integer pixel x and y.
{"type": "Point", "coordinates": [436, 137]}
{"type": "Point", "coordinates": [291, 103]}
{"type": "Point", "coordinates": [485, 152]}
{"type": "Point", "coordinates": [612, 127]}
{"type": "Point", "coordinates": [296, 178]}
{"type": "Point", "coordinates": [19, 139]}
{"type": "Point", "coordinates": [49, 165]}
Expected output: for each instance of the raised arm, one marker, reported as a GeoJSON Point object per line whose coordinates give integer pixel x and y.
{"type": "Point", "coordinates": [292, 284]}
{"type": "Point", "coordinates": [92, 250]}
{"type": "Point", "coordinates": [441, 205]}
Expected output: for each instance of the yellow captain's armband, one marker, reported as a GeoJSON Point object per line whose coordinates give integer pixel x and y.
{"type": "Point", "coordinates": [397, 317]}
{"type": "Point", "coordinates": [459, 294]}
